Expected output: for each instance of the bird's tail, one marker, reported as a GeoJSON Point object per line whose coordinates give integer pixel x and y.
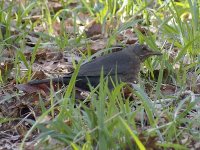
{"type": "Point", "coordinates": [48, 81]}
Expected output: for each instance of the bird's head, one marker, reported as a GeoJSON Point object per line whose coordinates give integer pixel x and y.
{"type": "Point", "coordinates": [143, 51]}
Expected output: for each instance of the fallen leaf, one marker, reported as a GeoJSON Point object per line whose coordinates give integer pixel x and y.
{"type": "Point", "coordinates": [167, 89]}
{"type": "Point", "coordinates": [83, 18]}
{"type": "Point", "coordinates": [39, 74]}
{"type": "Point", "coordinates": [27, 88]}
{"type": "Point", "coordinates": [98, 45]}
{"type": "Point", "coordinates": [93, 29]}
{"type": "Point", "coordinates": [130, 37]}
{"type": "Point", "coordinates": [55, 6]}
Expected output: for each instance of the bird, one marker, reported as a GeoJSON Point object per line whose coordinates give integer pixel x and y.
{"type": "Point", "coordinates": [124, 64]}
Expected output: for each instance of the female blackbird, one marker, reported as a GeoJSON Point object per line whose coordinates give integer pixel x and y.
{"type": "Point", "coordinates": [124, 64]}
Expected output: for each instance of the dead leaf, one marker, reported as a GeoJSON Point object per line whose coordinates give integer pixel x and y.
{"type": "Point", "coordinates": [83, 18]}
{"type": "Point", "coordinates": [68, 27]}
{"type": "Point", "coordinates": [30, 99]}
{"type": "Point", "coordinates": [93, 29]}
{"type": "Point", "coordinates": [53, 56]}
{"type": "Point", "coordinates": [27, 88]}
{"type": "Point", "coordinates": [130, 37]}
{"type": "Point", "coordinates": [55, 6]}
{"type": "Point", "coordinates": [143, 30]}
{"type": "Point", "coordinates": [167, 89]}
{"type": "Point", "coordinates": [39, 75]}
{"type": "Point", "coordinates": [68, 122]}
{"type": "Point", "coordinates": [120, 37]}
{"type": "Point", "coordinates": [98, 45]}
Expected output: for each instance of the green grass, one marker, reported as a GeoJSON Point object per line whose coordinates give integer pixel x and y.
{"type": "Point", "coordinates": [107, 119]}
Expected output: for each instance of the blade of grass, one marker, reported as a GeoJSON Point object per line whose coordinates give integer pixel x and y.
{"type": "Point", "coordinates": [136, 139]}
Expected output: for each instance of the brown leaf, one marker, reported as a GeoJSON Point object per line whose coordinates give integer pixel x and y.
{"type": "Point", "coordinates": [142, 29]}
{"type": "Point", "coordinates": [68, 122]}
{"type": "Point", "coordinates": [27, 88]}
{"type": "Point", "coordinates": [168, 89]}
{"type": "Point", "coordinates": [41, 55]}
{"type": "Point", "coordinates": [98, 45]}
{"type": "Point", "coordinates": [43, 88]}
{"type": "Point", "coordinates": [39, 75]}
{"type": "Point", "coordinates": [68, 26]}
{"type": "Point", "coordinates": [30, 98]}
{"type": "Point", "coordinates": [54, 56]}
{"type": "Point", "coordinates": [120, 37]}
{"type": "Point", "coordinates": [93, 29]}
{"type": "Point", "coordinates": [83, 18]}
{"type": "Point", "coordinates": [55, 6]}
{"type": "Point", "coordinates": [130, 37]}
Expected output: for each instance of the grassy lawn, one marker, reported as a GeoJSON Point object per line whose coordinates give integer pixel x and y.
{"type": "Point", "coordinates": [45, 39]}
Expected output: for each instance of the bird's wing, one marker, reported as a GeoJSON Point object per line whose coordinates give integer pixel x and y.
{"type": "Point", "coordinates": [121, 61]}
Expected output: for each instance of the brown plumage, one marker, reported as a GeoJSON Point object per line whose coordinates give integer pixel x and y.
{"type": "Point", "coordinates": [124, 64]}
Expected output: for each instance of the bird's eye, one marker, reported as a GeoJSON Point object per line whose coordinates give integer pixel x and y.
{"type": "Point", "coordinates": [143, 47]}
